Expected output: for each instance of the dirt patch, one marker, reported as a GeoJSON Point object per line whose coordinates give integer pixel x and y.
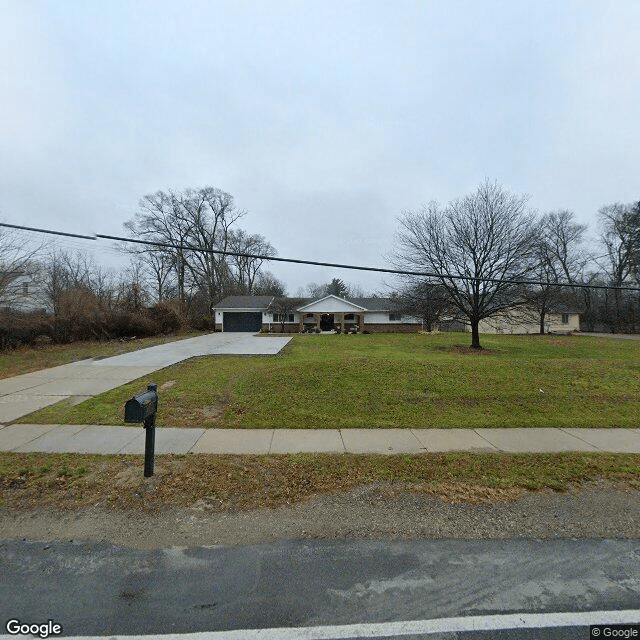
{"type": "Point", "coordinates": [463, 493]}
{"type": "Point", "coordinates": [466, 350]}
{"type": "Point", "coordinates": [212, 412]}
{"type": "Point", "coordinates": [379, 511]}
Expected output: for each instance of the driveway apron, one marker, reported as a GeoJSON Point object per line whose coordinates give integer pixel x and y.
{"type": "Point", "coordinates": [27, 393]}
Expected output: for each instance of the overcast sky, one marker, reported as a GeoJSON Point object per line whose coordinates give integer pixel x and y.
{"type": "Point", "coordinates": [324, 120]}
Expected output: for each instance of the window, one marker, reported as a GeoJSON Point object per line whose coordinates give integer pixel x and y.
{"type": "Point", "coordinates": [394, 316]}
{"type": "Point", "coordinates": [565, 318]}
{"type": "Point", "coordinates": [349, 316]}
{"type": "Point", "coordinates": [283, 317]}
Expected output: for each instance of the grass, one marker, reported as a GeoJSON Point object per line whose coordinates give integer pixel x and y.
{"type": "Point", "coordinates": [29, 359]}
{"type": "Point", "coordinates": [220, 483]}
{"type": "Point", "coordinates": [392, 380]}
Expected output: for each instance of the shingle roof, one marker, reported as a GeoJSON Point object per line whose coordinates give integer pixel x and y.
{"type": "Point", "coordinates": [374, 304]}
{"type": "Point", "coordinates": [244, 302]}
{"type": "Point", "coordinates": [262, 302]}
{"type": "Point", "coordinates": [370, 304]}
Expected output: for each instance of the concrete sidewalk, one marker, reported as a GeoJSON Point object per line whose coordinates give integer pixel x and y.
{"type": "Point", "coordinates": [110, 440]}
{"type": "Point", "coordinates": [78, 381]}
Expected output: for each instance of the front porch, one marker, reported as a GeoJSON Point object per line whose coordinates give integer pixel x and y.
{"type": "Point", "coordinates": [331, 313]}
{"type": "Point", "coordinates": [331, 322]}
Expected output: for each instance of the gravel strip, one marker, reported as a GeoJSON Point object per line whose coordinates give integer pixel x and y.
{"type": "Point", "coordinates": [597, 510]}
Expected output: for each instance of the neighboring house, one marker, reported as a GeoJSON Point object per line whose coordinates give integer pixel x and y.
{"type": "Point", "coordinates": [255, 313]}
{"type": "Point", "coordinates": [522, 321]}
{"type": "Point", "coordinates": [20, 291]}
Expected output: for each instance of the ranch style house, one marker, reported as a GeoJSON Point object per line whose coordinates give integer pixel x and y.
{"type": "Point", "coordinates": [256, 313]}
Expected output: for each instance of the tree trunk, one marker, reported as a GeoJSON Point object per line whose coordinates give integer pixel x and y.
{"type": "Point", "coordinates": [542, 317]}
{"type": "Point", "coordinates": [475, 335]}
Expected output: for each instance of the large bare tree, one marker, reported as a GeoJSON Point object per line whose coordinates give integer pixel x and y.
{"type": "Point", "coordinates": [620, 237]}
{"type": "Point", "coordinates": [561, 258]}
{"type": "Point", "coordinates": [245, 268]}
{"type": "Point", "coordinates": [487, 237]}
{"type": "Point", "coordinates": [160, 219]}
{"type": "Point", "coordinates": [196, 228]}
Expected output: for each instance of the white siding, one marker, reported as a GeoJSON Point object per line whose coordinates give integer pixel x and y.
{"type": "Point", "coordinates": [376, 317]}
{"type": "Point", "coordinates": [382, 317]}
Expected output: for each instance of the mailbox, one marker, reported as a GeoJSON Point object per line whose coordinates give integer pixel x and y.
{"type": "Point", "coordinates": [143, 406]}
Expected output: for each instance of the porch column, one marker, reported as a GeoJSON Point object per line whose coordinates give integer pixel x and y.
{"type": "Point", "coordinates": [316, 317]}
{"type": "Point", "coordinates": [342, 321]}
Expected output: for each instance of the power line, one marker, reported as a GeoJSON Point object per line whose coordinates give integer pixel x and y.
{"type": "Point", "coordinates": [55, 233]}
{"type": "Point", "coordinates": [422, 274]}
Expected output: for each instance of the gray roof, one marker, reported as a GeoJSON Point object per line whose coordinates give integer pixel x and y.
{"type": "Point", "coordinates": [370, 304]}
{"type": "Point", "coordinates": [263, 302]}
{"type": "Point", "coordinates": [374, 304]}
{"type": "Point", "coordinates": [244, 302]}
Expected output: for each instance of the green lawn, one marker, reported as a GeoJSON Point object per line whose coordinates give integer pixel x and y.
{"type": "Point", "coordinates": [393, 380]}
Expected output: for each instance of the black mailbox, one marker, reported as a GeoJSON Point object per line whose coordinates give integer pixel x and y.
{"type": "Point", "coordinates": [142, 406]}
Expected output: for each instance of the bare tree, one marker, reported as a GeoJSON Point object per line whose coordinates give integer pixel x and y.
{"type": "Point", "coordinates": [159, 219]}
{"type": "Point", "coordinates": [620, 237]}
{"type": "Point", "coordinates": [196, 233]}
{"type": "Point", "coordinates": [268, 285]}
{"type": "Point", "coordinates": [282, 307]}
{"type": "Point", "coordinates": [209, 214]}
{"type": "Point", "coordinates": [132, 293]}
{"type": "Point", "coordinates": [561, 258]}
{"type": "Point", "coordinates": [488, 237]}
{"type": "Point", "coordinates": [315, 290]}
{"type": "Point", "coordinates": [336, 287]}
{"type": "Point", "coordinates": [426, 300]}
{"type": "Point", "coordinates": [245, 268]}
{"type": "Point", "coordinates": [80, 294]}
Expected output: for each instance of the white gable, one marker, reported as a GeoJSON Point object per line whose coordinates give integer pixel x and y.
{"type": "Point", "coordinates": [331, 304]}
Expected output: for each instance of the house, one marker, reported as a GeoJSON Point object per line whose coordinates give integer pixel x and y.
{"type": "Point", "coordinates": [255, 313]}
{"type": "Point", "coordinates": [20, 291]}
{"type": "Point", "coordinates": [522, 321]}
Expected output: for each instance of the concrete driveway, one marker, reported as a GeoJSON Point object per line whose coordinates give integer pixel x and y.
{"type": "Point", "coordinates": [24, 394]}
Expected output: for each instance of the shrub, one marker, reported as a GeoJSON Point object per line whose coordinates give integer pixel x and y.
{"type": "Point", "coordinates": [166, 317]}
{"type": "Point", "coordinates": [129, 324]}
{"type": "Point", "coordinates": [17, 329]}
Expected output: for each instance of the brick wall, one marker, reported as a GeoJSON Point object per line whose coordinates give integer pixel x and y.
{"type": "Point", "coordinates": [276, 327]}
{"type": "Point", "coordinates": [391, 328]}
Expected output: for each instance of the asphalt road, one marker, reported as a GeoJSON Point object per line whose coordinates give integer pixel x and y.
{"type": "Point", "coordinates": [99, 589]}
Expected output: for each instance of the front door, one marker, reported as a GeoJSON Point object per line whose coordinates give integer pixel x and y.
{"type": "Point", "coordinates": [326, 322]}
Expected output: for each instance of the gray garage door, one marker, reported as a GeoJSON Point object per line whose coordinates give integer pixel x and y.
{"type": "Point", "coordinates": [242, 321]}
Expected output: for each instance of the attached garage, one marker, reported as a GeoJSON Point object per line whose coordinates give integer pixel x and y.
{"type": "Point", "coordinates": [242, 321]}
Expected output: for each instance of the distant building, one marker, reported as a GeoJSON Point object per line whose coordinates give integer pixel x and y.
{"type": "Point", "coordinates": [21, 291]}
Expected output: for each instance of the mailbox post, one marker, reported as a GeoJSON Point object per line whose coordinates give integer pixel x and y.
{"type": "Point", "coordinates": [143, 408]}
